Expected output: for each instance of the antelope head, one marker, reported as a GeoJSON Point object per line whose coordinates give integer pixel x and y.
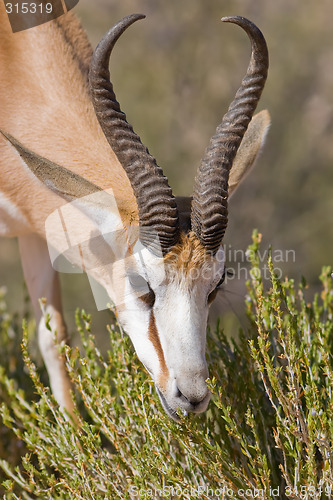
{"type": "Point", "coordinates": [168, 286]}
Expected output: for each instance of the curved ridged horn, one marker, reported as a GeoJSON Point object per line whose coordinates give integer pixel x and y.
{"type": "Point", "coordinates": [158, 215]}
{"type": "Point", "coordinates": [209, 216]}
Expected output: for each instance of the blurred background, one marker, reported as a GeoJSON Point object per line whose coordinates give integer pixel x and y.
{"type": "Point", "coordinates": [175, 74]}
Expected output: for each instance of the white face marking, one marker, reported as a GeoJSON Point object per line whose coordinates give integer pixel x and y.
{"type": "Point", "coordinates": [169, 334]}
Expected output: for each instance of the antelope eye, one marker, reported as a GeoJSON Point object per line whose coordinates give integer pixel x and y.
{"type": "Point", "coordinates": [142, 288]}
{"type": "Point", "coordinates": [138, 282]}
{"type": "Point", "coordinates": [220, 283]}
{"type": "Point", "coordinates": [212, 294]}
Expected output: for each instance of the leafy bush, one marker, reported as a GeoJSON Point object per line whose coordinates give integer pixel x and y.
{"type": "Point", "coordinates": [267, 433]}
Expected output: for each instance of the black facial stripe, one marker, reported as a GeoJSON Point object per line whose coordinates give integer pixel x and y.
{"type": "Point", "coordinates": [142, 288]}
{"type": "Point", "coordinates": [148, 298]}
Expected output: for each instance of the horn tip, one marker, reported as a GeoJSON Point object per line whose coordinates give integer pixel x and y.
{"type": "Point", "coordinates": [240, 20]}
{"type": "Point", "coordinates": [247, 25]}
{"type": "Point", "coordinates": [229, 19]}
{"type": "Point", "coordinates": [139, 16]}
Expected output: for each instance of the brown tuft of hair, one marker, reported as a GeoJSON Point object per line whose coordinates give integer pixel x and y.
{"type": "Point", "coordinates": [188, 254]}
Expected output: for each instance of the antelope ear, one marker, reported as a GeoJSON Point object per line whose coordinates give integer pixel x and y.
{"type": "Point", "coordinates": [251, 145]}
{"type": "Point", "coordinates": [99, 206]}
{"type": "Point", "coordinates": [60, 180]}
{"type": "Point", "coordinates": [83, 231]}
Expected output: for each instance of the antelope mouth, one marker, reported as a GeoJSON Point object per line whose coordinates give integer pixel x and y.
{"type": "Point", "coordinates": [170, 411]}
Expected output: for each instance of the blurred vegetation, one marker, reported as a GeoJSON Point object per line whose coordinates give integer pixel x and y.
{"type": "Point", "coordinates": [267, 433]}
{"type": "Point", "coordinates": [175, 74]}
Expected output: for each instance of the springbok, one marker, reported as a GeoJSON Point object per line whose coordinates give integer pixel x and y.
{"type": "Point", "coordinates": [66, 142]}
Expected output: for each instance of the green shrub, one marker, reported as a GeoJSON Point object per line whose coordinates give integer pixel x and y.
{"type": "Point", "coordinates": [267, 433]}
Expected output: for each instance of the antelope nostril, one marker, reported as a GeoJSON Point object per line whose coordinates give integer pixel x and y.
{"type": "Point", "coordinates": [175, 389]}
{"type": "Point", "coordinates": [194, 401]}
{"type": "Point", "coordinates": [177, 392]}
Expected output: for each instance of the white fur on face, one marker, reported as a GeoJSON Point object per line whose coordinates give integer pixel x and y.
{"type": "Point", "coordinates": [170, 336]}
